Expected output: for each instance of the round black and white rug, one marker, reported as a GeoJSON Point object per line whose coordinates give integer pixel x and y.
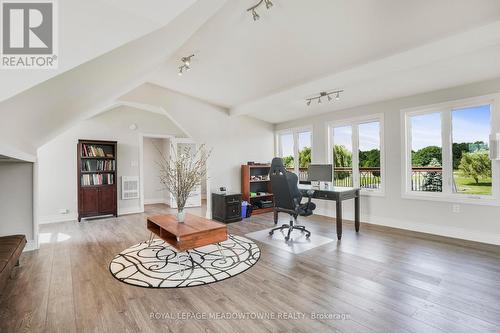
{"type": "Point", "coordinates": [158, 265]}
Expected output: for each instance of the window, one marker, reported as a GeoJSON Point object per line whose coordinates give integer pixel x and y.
{"type": "Point", "coordinates": [304, 143]}
{"type": "Point", "coordinates": [342, 156]}
{"type": "Point", "coordinates": [296, 145]}
{"type": "Point", "coordinates": [356, 152]}
{"type": "Point", "coordinates": [426, 153]}
{"type": "Point", "coordinates": [369, 154]}
{"type": "Point", "coordinates": [287, 150]}
{"type": "Point", "coordinates": [470, 150]}
{"type": "Point", "coordinates": [447, 151]}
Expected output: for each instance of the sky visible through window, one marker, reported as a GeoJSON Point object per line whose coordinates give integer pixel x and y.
{"type": "Point", "coordinates": [426, 131]}
{"type": "Point", "coordinates": [369, 136]}
{"type": "Point", "coordinates": [287, 144]}
{"type": "Point", "coordinates": [471, 124]}
{"type": "Point", "coordinates": [342, 136]}
{"type": "Point", "coordinates": [304, 140]}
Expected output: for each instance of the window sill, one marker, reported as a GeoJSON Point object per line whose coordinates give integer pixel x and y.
{"type": "Point", "coordinates": [365, 193]}
{"type": "Point", "coordinates": [482, 201]}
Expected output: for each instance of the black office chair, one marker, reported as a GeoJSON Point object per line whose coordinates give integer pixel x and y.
{"type": "Point", "coordinates": [287, 198]}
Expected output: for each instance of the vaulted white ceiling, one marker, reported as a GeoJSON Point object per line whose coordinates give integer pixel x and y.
{"type": "Point", "coordinates": [374, 49]}
{"type": "Point", "coordinates": [34, 116]}
{"type": "Point", "coordinates": [239, 61]}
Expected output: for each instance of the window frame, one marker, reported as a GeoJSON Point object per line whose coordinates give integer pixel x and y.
{"type": "Point", "coordinates": [295, 132]}
{"type": "Point", "coordinates": [354, 123]}
{"type": "Point", "coordinates": [446, 109]}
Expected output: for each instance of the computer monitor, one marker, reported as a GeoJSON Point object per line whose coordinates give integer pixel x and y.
{"type": "Point", "coordinates": [320, 172]}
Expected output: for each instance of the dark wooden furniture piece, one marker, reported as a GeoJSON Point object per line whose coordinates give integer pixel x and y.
{"type": "Point", "coordinates": [226, 207]}
{"type": "Point", "coordinates": [97, 177]}
{"type": "Point", "coordinates": [337, 194]}
{"type": "Point", "coordinates": [194, 232]}
{"type": "Point", "coordinates": [11, 248]}
{"type": "Point", "coordinates": [248, 185]}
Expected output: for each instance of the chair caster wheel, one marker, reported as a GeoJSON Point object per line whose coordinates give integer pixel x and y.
{"type": "Point", "coordinates": [308, 235]}
{"type": "Point", "coordinates": [270, 233]}
{"type": "Point", "coordinates": [287, 238]}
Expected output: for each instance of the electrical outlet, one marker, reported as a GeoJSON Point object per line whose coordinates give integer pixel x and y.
{"type": "Point", "coordinates": [455, 208]}
{"type": "Point", "coordinates": [64, 211]}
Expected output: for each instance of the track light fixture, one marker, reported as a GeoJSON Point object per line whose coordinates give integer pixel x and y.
{"type": "Point", "coordinates": [252, 9]}
{"type": "Point", "coordinates": [326, 95]}
{"type": "Point", "coordinates": [186, 64]}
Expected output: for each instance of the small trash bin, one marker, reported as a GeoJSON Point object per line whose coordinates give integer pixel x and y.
{"type": "Point", "coordinates": [244, 206]}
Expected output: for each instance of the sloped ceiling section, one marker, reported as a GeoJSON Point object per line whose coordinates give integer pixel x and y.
{"type": "Point", "coordinates": [49, 108]}
{"type": "Point", "coordinates": [90, 28]}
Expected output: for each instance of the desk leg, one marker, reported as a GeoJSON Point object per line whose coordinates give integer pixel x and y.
{"type": "Point", "coordinates": [339, 218]}
{"type": "Point", "coordinates": [356, 213]}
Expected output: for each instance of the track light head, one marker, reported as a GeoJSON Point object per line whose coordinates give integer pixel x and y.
{"type": "Point", "coordinates": [319, 100]}
{"type": "Point", "coordinates": [337, 96]}
{"type": "Point", "coordinates": [255, 15]}
{"type": "Point", "coordinates": [329, 98]}
{"type": "Point", "coordinates": [187, 60]}
{"type": "Point", "coordinates": [308, 102]}
{"type": "Point", "coordinates": [186, 64]}
{"type": "Point", "coordinates": [269, 4]}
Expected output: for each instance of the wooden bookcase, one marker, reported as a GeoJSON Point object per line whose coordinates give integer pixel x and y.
{"type": "Point", "coordinates": [248, 185]}
{"type": "Point", "coordinates": [97, 177]}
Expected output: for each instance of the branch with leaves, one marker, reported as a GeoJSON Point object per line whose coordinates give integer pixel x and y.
{"type": "Point", "coordinates": [182, 173]}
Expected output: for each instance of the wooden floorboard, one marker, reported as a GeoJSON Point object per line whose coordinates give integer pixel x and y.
{"type": "Point", "coordinates": [383, 279]}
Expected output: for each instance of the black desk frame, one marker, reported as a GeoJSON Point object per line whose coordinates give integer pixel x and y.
{"type": "Point", "coordinates": [338, 197]}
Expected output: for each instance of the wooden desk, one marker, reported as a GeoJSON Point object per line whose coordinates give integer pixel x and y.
{"type": "Point", "coordinates": [337, 194]}
{"type": "Point", "coordinates": [195, 232]}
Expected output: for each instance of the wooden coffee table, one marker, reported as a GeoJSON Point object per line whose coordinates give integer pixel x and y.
{"type": "Point", "coordinates": [194, 232]}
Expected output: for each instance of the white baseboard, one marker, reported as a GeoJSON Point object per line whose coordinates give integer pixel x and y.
{"type": "Point", "coordinates": [31, 245]}
{"type": "Point", "coordinates": [130, 210]}
{"type": "Point", "coordinates": [439, 230]}
{"type": "Point", "coordinates": [57, 218]}
{"type": "Point", "coordinates": [155, 201]}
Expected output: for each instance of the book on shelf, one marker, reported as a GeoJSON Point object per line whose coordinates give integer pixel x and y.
{"type": "Point", "coordinates": [94, 151]}
{"type": "Point", "coordinates": [107, 165]}
{"type": "Point", "coordinates": [97, 179]}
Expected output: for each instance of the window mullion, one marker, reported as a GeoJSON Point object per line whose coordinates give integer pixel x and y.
{"type": "Point", "coordinates": [408, 156]}
{"type": "Point", "coordinates": [447, 163]}
{"type": "Point", "coordinates": [296, 151]}
{"type": "Point", "coordinates": [355, 155]}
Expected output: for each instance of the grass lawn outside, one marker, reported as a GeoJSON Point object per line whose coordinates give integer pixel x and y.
{"type": "Point", "coordinates": [468, 185]}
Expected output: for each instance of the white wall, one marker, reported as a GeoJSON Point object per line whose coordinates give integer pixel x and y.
{"type": "Point", "coordinates": [16, 199]}
{"type": "Point", "coordinates": [57, 159]}
{"type": "Point", "coordinates": [474, 222]}
{"type": "Point", "coordinates": [153, 189]}
{"type": "Point", "coordinates": [234, 140]}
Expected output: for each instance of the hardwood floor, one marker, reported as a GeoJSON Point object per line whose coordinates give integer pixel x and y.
{"type": "Point", "coordinates": [381, 280]}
